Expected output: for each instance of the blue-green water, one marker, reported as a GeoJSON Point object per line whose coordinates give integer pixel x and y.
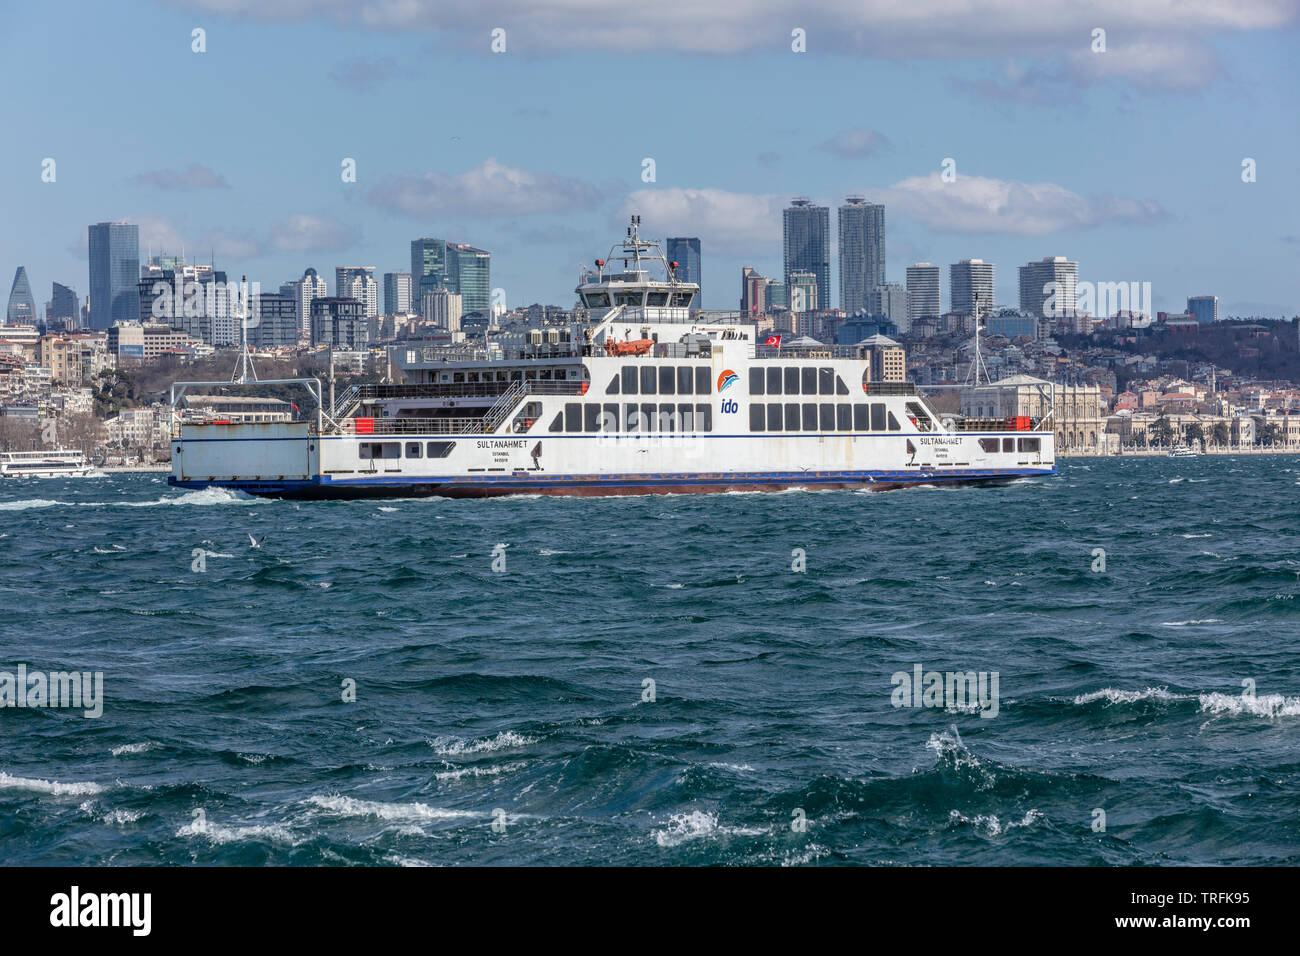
{"type": "Point", "coordinates": [518, 698]}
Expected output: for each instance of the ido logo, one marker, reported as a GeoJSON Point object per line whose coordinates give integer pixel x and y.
{"type": "Point", "coordinates": [729, 407]}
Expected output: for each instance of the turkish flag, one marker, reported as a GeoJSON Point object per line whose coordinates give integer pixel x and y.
{"type": "Point", "coordinates": [773, 342]}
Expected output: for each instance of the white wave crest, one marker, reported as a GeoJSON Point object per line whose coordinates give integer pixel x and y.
{"type": "Point", "coordinates": [133, 748]}
{"type": "Point", "coordinates": [456, 746]}
{"type": "Point", "coordinates": [52, 787]}
{"type": "Point", "coordinates": [990, 823]}
{"type": "Point", "coordinates": [217, 833]}
{"type": "Point", "coordinates": [401, 812]}
{"type": "Point", "coordinates": [1113, 696]}
{"type": "Point", "coordinates": [697, 825]}
{"type": "Point", "coordinates": [1263, 705]}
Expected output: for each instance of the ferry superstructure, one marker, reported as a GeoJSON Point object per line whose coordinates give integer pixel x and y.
{"type": "Point", "coordinates": [643, 398]}
{"type": "Point", "coordinates": [58, 463]}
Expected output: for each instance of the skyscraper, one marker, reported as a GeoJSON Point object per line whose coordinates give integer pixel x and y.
{"type": "Point", "coordinates": [890, 300]}
{"type": "Point", "coordinates": [1048, 286]}
{"type": "Point", "coordinates": [967, 280]}
{"type": "Point", "coordinates": [114, 273]}
{"type": "Point", "coordinates": [63, 305]}
{"type": "Point", "coordinates": [22, 308]}
{"type": "Point", "coordinates": [807, 247]}
{"type": "Point", "coordinates": [358, 282]}
{"type": "Point", "coordinates": [803, 292]}
{"type": "Point", "coordinates": [685, 250]}
{"type": "Point", "coordinates": [306, 290]}
{"type": "Point", "coordinates": [922, 292]}
{"type": "Point", "coordinates": [397, 293]}
{"type": "Point", "coordinates": [753, 289]}
{"type": "Point", "coordinates": [1204, 307]}
{"type": "Point", "coordinates": [862, 252]}
{"type": "Point", "coordinates": [456, 267]}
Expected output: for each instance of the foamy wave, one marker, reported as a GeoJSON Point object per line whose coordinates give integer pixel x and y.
{"type": "Point", "coordinates": [1191, 623]}
{"type": "Point", "coordinates": [403, 812]}
{"type": "Point", "coordinates": [991, 825]}
{"type": "Point", "coordinates": [133, 748]}
{"type": "Point", "coordinates": [697, 825]}
{"type": "Point", "coordinates": [492, 771]}
{"type": "Point", "coordinates": [217, 833]}
{"type": "Point", "coordinates": [1266, 705]}
{"type": "Point", "coordinates": [52, 787]}
{"type": "Point", "coordinates": [456, 746]}
{"type": "Point", "coordinates": [1113, 696]}
{"type": "Point", "coordinates": [28, 503]}
{"type": "Point", "coordinates": [396, 860]}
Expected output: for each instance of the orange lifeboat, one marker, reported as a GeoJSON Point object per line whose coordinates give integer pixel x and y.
{"type": "Point", "coordinates": [634, 347]}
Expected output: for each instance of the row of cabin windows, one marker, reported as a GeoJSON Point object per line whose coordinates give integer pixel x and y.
{"type": "Point", "coordinates": [646, 417]}
{"type": "Point", "coordinates": [1010, 444]}
{"type": "Point", "coordinates": [824, 417]}
{"type": "Point", "coordinates": [601, 300]}
{"type": "Point", "coordinates": [796, 381]}
{"type": "Point", "coordinates": [368, 450]}
{"type": "Point", "coordinates": [661, 380]}
{"type": "Point", "coordinates": [532, 375]}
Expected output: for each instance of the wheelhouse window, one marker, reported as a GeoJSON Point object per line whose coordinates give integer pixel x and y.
{"type": "Point", "coordinates": [657, 299]}
{"type": "Point", "coordinates": [628, 298]}
{"type": "Point", "coordinates": [598, 300]}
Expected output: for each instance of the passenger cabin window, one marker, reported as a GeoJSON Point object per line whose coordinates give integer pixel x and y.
{"type": "Point", "coordinates": [573, 417]}
{"type": "Point", "coordinates": [989, 444]}
{"type": "Point", "coordinates": [685, 380]}
{"type": "Point", "coordinates": [1008, 444]}
{"type": "Point", "coordinates": [774, 417]}
{"type": "Point", "coordinates": [877, 417]}
{"type": "Point", "coordinates": [757, 417]}
{"type": "Point", "coordinates": [1029, 445]}
{"type": "Point", "coordinates": [667, 380]}
{"type": "Point", "coordinates": [774, 381]}
{"type": "Point", "coordinates": [808, 381]}
{"type": "Point", "coordinates": [703, 381]}
{"type": "Point", "coordinates": [756, 383]}
{"type": "Point", "coordinates": [629, 375]}
{"type": "Point", "coordinates": [558, 424]}
{"type": "Point", "coordinates": [825, 381]}
{"type": "Point", "coordinates": [439, 449]}
{"type": "Point", "coordinates": [792, 381]}
{"type": "Point", "coordinates": [612, 387]}
{"type": "Point", "coordinates": [414, 449]}
{"type": "Point", "coordinates": [648, 380]}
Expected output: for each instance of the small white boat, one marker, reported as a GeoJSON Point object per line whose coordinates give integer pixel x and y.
{"type": "Point", "coordinates": [1183, 453]}
{"type": "Point", "coordinates": [59, 463]}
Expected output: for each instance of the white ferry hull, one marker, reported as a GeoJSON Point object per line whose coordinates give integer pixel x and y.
{"type": "Point", "coordinates": [285, 461]}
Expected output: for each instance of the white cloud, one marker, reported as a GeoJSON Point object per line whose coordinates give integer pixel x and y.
{"type": "Point", "coordinates": [195, 176]}
{"type": "Point", "coordinates": [737, 222]}
{"type": "Point", "coordinates": [302, 232]}
{"type": "Point", "coordinates": [980, 204]}
{"type": "Point", "coordinates": [489, 189]}
{"type": "Point", "coordinates": [856, 143]}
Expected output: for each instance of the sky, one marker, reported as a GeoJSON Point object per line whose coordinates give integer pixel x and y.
{"type": "Point", "coordinates": [1127, 159]}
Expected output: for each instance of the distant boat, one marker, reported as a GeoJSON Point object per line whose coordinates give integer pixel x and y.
{"type": "Point", "coordinates": [1183, 453]}
{"type": "Point", "coordinates": [59, 463]}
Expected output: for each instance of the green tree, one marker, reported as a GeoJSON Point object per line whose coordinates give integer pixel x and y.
{"type": "Point", "coordinates": [1195, 433]}
{"type": "Point", "coordinates": [1220, 433]}
{"type": "Point", "coordinates": [1164, 432]}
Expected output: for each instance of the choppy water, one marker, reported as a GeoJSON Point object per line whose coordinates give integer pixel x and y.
{"type": "Point", "coordinates": [516, 698]}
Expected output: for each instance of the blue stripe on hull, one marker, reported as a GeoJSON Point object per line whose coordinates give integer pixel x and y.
{"type": "Point", "coordinates": [483, 486]}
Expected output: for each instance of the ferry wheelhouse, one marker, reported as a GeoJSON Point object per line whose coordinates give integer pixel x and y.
{"type": "Point", "coordinates": [644, 396]}
{"type": "Point", "coordinates": [58, 463]}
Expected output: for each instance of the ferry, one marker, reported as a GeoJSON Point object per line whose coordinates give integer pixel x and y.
{"type": "Point", "coordinates": [59, 463]}
{"type": "Point", "coordinates": [640, 394]}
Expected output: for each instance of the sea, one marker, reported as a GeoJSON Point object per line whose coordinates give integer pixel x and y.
{"type": "Point", "coordinates": [1096, 668]}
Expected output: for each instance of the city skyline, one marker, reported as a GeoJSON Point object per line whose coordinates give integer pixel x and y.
{"type": "Point", "coordinates": [1173, 218]}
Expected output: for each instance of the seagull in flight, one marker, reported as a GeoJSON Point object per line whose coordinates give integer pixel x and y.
{"type": "Point", "coordinates": [255, 542]}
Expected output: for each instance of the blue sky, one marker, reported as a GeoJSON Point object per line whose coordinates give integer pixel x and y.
{"type": "Point", "coordinates": [1128, 161]}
